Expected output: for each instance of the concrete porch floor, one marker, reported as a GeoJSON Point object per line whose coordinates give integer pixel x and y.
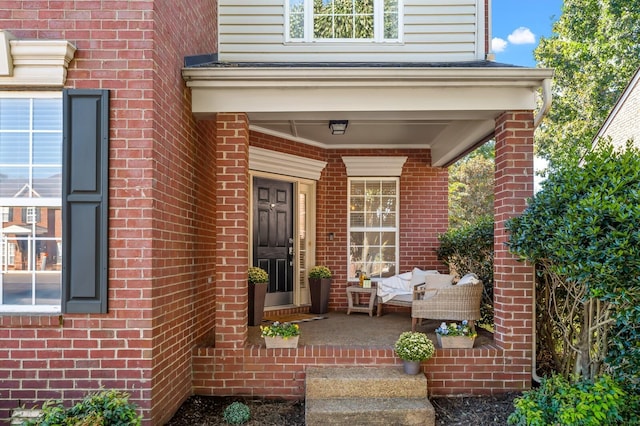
{"type": "Point", "coordinates": [359, 329]}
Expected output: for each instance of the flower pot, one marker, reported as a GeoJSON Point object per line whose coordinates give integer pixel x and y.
{"type": "Point", "coordinates": [455, 341]}
{"type": "Point", "coordinates": [319, 289]}
{"type": "Point", "coordinates": [281, 342]}
{"type": "Point", "coordinates": [257, 294]}
{"type": "Point", "coordinates": [411, 367]}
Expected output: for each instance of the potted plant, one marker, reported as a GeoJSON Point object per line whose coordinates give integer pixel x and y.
{"type": "Point", "coordinates": [258, 283]}
{"type": "Point", "coordinates": [413, 347]}
{"type": "Point", "coordinates": [454, 335]}
{"type": "Point", "coordinates": [319, 288]}
{"type": "Point", "coordinates": [280, 335]}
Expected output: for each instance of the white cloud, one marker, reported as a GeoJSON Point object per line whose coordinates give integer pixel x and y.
{"type": "Point", "coordinates": [498, 45]}
{"type": "Point", "coordinates": [522, 35]}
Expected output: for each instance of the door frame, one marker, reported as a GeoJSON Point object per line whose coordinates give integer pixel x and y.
{"type": "Point", "coordinates": [307, 188]}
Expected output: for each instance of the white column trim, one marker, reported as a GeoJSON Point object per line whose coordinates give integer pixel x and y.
{"type": "Point", "coordinates": [264, 160]}
{"type": "Point", "coordinates": [374, 166]}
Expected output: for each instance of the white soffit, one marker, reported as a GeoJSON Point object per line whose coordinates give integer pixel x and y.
{"type": "Point", "coordinates": [33, 63]}
{"type": "Point", "coordinates": [264, 160]}
{"type": "Point", "coordinates": [374, 166]}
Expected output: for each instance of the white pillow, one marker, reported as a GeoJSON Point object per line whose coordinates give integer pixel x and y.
{"type": "Point", "coordinates": [470, 278]}
{"type": "Point", "coordinates": [437, 281]}
{"type": "Point", "coordinates": [405, 276]}
{"type": "Point", "coordinates": [418, 275]}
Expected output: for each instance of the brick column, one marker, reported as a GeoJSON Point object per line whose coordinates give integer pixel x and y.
{"type": "Point", "coordinates": [232, 229]}
{"type": "Point", "coordinates": [513, 280]}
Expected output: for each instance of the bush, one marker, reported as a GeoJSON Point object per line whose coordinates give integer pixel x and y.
{"type": "Point", "coordinates": [470, 249]}
{"type": "Point", "coordinates": [106, 408]}
{"type": "Point", "coordinates": [582, 228]}
{"type": "Point", "coordinates": [584, 403]}
{"type": "Point", "coordinates": [237, 413]}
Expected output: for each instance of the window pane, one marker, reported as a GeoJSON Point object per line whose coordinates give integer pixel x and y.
{"type": "Point", "coordinates": [48, 288]}
{"type": "Point", "coordinates": [14, 182]}
{"type": "Point", "coordinates": [14, 114]}
{"type": "Point", "coordinates": [296, 18]}
{"type": "Point", "coordinates": [47, 148]}
{"type": "Point", "coordinates": [363, 26]}
{"type": "Point", "coordinates": [47, 114]}
{"type": "Point", "coordinates": [388, 188]}
{"type": "Point", "coordinates": [343, 26]}
{"type": "Point", "coordinates": [357, 219]}
{"type": "Point", "coordinates": [14, 148]}
{"type": "Point", "coordinates": [47, 182]}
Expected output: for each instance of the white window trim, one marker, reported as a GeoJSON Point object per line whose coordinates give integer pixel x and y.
{"type": "Point", "coordinates": [374, 166]}
{"type": "Point", "coordinates": [378, 26]}
{"type": "Point", "coordinates": [395, 229]}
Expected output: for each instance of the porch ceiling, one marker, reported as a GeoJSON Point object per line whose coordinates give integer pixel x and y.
{"type": "Point", "coordinates": [447, 109]}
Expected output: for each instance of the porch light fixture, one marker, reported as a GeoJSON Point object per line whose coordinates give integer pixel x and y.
{"type": "Point", "coordinates": [338, 127]}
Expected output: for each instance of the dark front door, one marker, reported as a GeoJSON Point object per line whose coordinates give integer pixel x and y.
{"type": "Point", "coordinates": [273, 237]}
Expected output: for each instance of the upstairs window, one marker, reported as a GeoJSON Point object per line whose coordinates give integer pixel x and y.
{"type": "Point", "coordinates": [342, 20]}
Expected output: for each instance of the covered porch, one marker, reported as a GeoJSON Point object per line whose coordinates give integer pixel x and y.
{"type": "Point", "coordinates": [430, 115]}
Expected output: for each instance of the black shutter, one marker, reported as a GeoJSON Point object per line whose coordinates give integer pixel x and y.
{"type": "Point", "coordinates": [85, 194]}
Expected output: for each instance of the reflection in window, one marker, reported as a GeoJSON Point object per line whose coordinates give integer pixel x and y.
{"type": "Point", "coordinates": [30, 200]}
{"type": "Point", "coordinates": [376, 20]}
{"type": "Point", "coordinates": [373, 226]}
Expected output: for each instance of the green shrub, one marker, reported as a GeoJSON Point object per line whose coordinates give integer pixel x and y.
{"type": "Point", "coordinates": [470, 249]}
{"type": "Point", "coordinates": [583, 403]}
{"type": "Point", "coordinates": [582, 228]}
{"type": "Point", "coordinates": [106, 408]}
{"type": "Point", "coordinates": [237, 413]}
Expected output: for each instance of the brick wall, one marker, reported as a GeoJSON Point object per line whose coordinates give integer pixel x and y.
{"type": "Point", "coordinates": [161, 198]}
{"type": "Point", "coordinates": [513, 280]}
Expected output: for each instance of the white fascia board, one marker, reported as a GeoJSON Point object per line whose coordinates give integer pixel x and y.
{"type": "Point", "coordinates": [362, 89]}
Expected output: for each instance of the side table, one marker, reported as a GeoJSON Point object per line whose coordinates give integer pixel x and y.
{"type": "Point", "coordinates": [353, 298]}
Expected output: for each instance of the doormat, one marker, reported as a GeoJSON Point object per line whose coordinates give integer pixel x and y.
{"type": "Point", "coordinates": [293, 318]}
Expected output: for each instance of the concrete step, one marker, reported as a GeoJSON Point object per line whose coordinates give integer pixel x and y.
{"type": "Point", "coordinates": [363, 383]}
{"type": "Point", "coordinates": [371, 411]}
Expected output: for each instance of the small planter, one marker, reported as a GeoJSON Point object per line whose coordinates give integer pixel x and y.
{"type": "Point", "coordinates": [280, 342]}
{"type": "Point", "coordinates": [410, 367]}
{"type": "Point", "coordinates": [461, 342]}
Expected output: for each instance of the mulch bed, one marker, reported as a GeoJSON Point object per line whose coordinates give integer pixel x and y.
{"type": "Point", "coordinates": [207, 411]}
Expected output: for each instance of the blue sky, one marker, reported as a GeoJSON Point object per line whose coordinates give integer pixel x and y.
{"type": "Point", "coordinates": [517, 26]}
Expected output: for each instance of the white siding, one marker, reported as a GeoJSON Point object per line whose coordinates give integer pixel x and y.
{"type": "Point", "coordinates": [624, 122]}
{"type": "Point", "coordinates": [434, 31]}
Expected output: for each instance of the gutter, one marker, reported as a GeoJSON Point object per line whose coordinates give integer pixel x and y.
{"type": "Point", "coordinates": [547, 97]}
